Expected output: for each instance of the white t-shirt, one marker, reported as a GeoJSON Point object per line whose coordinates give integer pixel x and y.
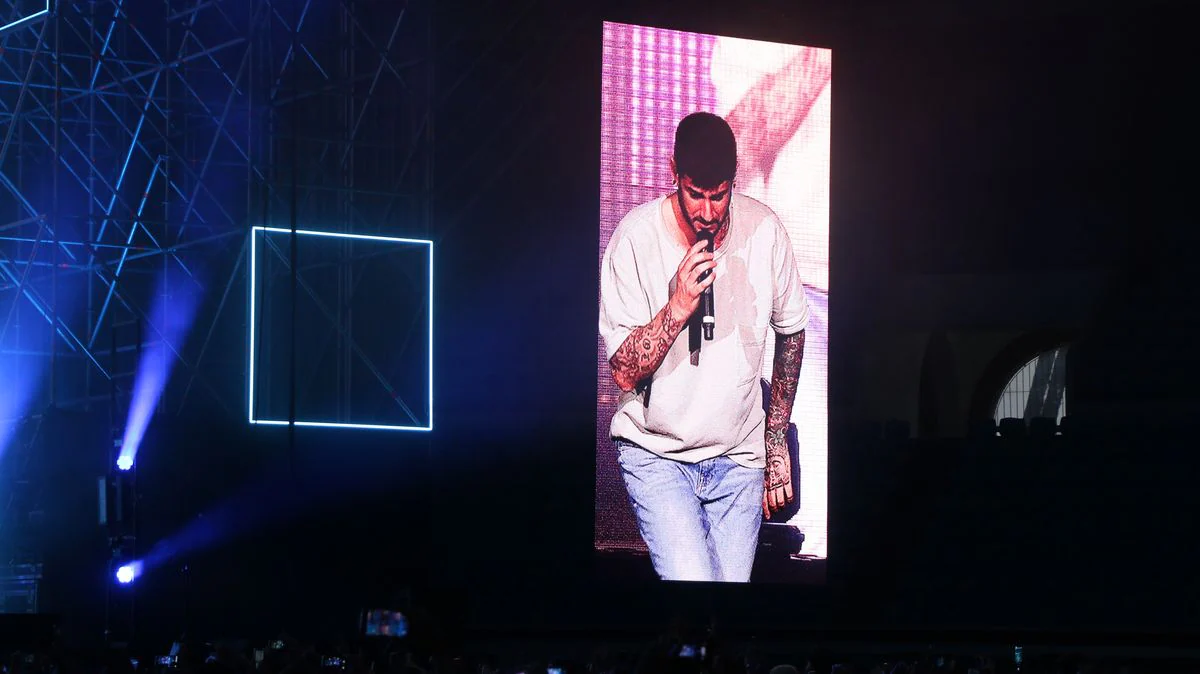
{"type": "Point", "coordinates": [693, 412]}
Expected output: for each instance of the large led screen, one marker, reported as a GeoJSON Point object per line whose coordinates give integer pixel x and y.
{"type": "Point", "coordinates": [711, 447]}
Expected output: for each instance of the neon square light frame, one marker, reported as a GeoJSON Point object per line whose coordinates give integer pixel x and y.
{"type": "Point", "coordinates": [254, 234]}
{"type": "Point", "coordinates": [27, 19]}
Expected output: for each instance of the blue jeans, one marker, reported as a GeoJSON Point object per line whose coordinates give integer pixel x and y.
{"type": "Point", "coordinates": [699, 520]}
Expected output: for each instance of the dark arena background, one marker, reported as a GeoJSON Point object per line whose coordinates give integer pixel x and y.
{"type": "Point", "coordinates": [378, 219]}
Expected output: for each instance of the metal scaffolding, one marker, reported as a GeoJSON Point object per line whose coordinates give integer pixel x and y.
{"type": "Point", "coordinates": [142, 139]}
{"type": "Point", "coordinates": [144, 134]}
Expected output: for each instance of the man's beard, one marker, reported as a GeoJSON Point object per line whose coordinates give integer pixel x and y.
{"type": "Point", "coordinates": [717, 227]}
{"type": "Point", "coordinates": [699, 225]}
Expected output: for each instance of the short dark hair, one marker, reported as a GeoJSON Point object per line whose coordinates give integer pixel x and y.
{"type": "Point", "coordinates": [705, 150]}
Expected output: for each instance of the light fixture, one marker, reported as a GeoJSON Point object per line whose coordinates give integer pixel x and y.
{"type": "Point", "coordinates": [127, 573]}
{"type": "Point", "coordinates": [252, 413]}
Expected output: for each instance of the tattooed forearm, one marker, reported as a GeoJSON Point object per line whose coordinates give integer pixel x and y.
{"type": "Point", "coordinates": [774, 108]}
{"type": "Point", "coordinates": [644, 349]}
{"type": "Point", "coordinates": [785, 378]}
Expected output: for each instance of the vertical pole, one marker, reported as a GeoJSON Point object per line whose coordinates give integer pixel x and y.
{"type": "Point", "coordinates": [294, 253]}
{"type": "Point", "coordinates": [54, 209]}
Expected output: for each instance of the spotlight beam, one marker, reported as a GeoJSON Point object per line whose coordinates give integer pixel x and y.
{"type": "Point", "coordinates": [171, 318]}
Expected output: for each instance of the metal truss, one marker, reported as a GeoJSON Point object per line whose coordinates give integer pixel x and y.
{"type": "Point", "coordinates": [145, 137]}
{"type": "Point", "coordinates": [350, 144]}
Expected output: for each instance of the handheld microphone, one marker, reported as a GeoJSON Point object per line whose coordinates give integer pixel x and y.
{"type": "Point", "coordinates": [706, 298]}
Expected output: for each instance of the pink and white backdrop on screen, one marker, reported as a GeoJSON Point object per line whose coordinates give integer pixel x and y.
{"type": "Point", "coordinates": [777, 99]}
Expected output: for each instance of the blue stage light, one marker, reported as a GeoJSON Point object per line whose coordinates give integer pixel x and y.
{"type": "Point", "coordinates": [127, 573]}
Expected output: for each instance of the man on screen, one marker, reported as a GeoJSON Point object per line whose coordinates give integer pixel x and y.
{"type": "Point", "coordinates": [701, 460]}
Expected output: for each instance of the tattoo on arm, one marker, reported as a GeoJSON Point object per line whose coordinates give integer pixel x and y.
{"type": "Point", "coordinates": [775, 107]}
{"type": "Point", "coordinates": [644, 349]}
{"type": "Point", "coordinates": [785, 379]}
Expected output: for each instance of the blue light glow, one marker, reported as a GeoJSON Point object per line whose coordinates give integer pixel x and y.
{"type": "Point", "coordinates": [251, 341]}
{"type": "Point", "coordinates": [174, 310]}
{"type": "Point", "coordinates": [125, 462]}
{"type": "Point", "coordinates": [252, 322]}
{"type": "Point", "coordinates": [128, 573]}
{"type": "Point", "coordinates": [26, 20]}
{"type": "Point", "coordinates": [333, 424]}
{"type": "Point", "coordinates": [430, 337]}
{"type": "Point", "coordinates": [24, 381]}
